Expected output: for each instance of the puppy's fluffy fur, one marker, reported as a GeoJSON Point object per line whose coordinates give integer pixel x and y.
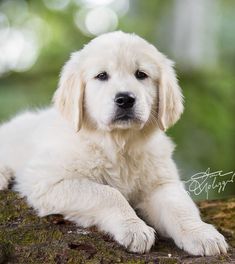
{"type": "Point", "coordinates": [76, 159]}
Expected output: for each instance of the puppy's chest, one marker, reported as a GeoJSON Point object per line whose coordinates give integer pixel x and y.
{"type": "Point", "coordinates": [130, 174]}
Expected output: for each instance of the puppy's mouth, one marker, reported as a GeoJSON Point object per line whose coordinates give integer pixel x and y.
{"type": "Point", "coordinates": [126, 117]}
{"type": "Point", "coordinates": [123, 118]}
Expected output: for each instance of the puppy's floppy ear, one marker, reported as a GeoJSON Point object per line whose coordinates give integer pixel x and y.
{"type": "Point", "coordinates": [68, 98]}
{"type": "Point", "coordinates": [170, 98]}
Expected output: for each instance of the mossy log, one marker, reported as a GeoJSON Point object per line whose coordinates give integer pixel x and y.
{"type": "Point", "coordinates": [26, 238]}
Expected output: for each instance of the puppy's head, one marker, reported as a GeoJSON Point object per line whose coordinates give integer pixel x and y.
{"type": "Point", "coordinates": [119, 81]}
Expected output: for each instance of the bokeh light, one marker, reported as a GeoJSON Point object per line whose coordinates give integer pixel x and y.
{"type": "Point", "coordinates": [93, 22]}
{"type": "Point", "coordinates": [101, 20]}
{"type": "Point", "coordinates": [92, 3]}
{"type": "Point", "coordinates": [4, 26]}
{"type": "Point", "coordinates": [121, 7]}
{"type": "Point", "coordinates": [16, 11]}
{"type": "Point", "coordinates": [97, 17]}
{"type": "Point", "coordinates": [20, 36]}
{"type": "Point", "coordinates": [56, 4]}
{"type": "Point", "coordinates": [19, 50]}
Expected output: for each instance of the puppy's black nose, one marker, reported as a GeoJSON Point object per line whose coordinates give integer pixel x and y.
{"type": "Point", "coordinates": [124, 100]}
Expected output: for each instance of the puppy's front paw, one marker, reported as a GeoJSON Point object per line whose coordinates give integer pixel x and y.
{"type": "Point", "coordinates": [136, 236]}
{"type": "Point", "coordinates": [203, 241]}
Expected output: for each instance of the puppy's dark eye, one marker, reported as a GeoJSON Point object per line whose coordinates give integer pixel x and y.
{"type": "Point", "coordinates": [103, 76]}
{"type": "Point", "coordinates": [140, 75]}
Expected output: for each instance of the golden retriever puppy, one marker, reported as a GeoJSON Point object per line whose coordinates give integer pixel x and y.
{"type": "Point", "coordinates": [101, 152]}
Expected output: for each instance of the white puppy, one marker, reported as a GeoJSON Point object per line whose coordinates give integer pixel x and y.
{"type": "Point", "coordinates": [100, 152]}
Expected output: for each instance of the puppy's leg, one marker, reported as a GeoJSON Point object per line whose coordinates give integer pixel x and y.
{"type": "Point", "coordinates": [88, 203]}
{"type": "Point", "coordinates": [172, 212]}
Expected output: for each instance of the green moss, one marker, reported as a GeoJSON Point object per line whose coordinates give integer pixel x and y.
{"type": "Point", "coordinates": [168, 261]}
{"type": "Point", "coordinates": [26, 238]}
{"type": "Point", "coordinates": [6, 251]}
{"type": "Point", "coordinates": [135, 261]}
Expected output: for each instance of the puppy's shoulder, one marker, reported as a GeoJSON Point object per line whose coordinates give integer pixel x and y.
{"type": "Point", "coordinates": [160, 145]}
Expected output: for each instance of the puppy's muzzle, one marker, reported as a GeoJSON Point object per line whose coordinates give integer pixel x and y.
{"type": "Point", "coordinates": [125, 103]}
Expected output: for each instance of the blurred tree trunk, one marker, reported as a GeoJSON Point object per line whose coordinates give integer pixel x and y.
{"type": "Point", "coordinates": [194, 28]}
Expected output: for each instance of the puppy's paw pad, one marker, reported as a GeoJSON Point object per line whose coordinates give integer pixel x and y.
{"type": "Point", "coordinates": [137, 237]}
{"type": "Point", "coordinates": [205, 241]}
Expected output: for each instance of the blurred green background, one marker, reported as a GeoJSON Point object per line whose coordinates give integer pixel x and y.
{"type": "Point", "coordinates": [36, 38]}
